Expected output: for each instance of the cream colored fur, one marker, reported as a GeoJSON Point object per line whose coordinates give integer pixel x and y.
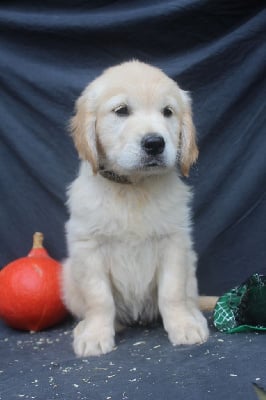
{"type": "Point", "coordinates": [130, 255]}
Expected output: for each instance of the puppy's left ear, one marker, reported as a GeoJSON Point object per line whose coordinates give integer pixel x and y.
{"type": "Point", "coordinates": [188, 146]}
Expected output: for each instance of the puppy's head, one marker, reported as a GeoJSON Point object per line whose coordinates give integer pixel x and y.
{"type": "Point", "coordinates": [133, 119]}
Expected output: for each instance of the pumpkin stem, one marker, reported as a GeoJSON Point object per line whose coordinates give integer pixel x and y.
{"type": "Point", "coordinates": [37, 240]}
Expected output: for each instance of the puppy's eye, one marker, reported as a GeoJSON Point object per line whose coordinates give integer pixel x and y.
{"type": "Point", "coordinates": [122, 110]}
{"type": "Point", "coordinates": [167, 111]}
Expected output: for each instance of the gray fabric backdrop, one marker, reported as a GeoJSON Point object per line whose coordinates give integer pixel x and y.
{"type": "Point", "coordinates": [216, 49]}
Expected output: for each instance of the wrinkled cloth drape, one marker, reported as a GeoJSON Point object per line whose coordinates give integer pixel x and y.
{"type": "Point", "coordinates": [215, 49]}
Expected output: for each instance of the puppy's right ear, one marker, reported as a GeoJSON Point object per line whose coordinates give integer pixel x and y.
{"type": "Point", "coordinates": [83, 130]}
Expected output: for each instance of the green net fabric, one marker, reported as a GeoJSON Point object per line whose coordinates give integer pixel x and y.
{"type": "Point", "coordinates": [243, 308]}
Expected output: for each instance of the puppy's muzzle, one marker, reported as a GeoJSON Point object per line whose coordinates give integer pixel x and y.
{"type": "Point", "coordinates": [153, 144]}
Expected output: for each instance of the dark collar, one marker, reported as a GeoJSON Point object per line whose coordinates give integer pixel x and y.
{"type": "Point", "coordinates": [114, 177]}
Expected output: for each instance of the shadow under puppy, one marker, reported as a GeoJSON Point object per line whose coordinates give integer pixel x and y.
{"type": "Point", "coordinates": [130, 255]}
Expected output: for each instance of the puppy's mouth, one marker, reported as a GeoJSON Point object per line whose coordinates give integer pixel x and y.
{"type": "Point", "coordinates": [153, 163]}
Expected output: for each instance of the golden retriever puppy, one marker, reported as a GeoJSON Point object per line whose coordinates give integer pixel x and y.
{"type": "Point", "coordinates": [130, 254]}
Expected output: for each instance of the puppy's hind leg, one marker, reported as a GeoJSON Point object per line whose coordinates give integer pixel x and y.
{"type": "Point", "coordinates": [72, 295]}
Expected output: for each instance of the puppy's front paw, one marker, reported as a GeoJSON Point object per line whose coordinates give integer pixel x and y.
{"type": "Point", "coordinates": [92, 341]}
{"type": "Point", "coordinates": [189, 327]}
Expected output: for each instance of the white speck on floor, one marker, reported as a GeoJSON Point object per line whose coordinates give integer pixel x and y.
{"type": "Point", "coordinates": [139, 343]}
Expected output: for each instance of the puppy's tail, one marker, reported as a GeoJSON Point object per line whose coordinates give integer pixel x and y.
{"type": "Point", "coordinates": [207, 303]}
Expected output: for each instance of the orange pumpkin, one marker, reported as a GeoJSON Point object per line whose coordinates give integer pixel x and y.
{"type": "Point", "coordinates": [30, 290]}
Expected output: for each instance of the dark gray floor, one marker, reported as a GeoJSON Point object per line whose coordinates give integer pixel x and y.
{"type": "Point", "coordinates": [144, 365]}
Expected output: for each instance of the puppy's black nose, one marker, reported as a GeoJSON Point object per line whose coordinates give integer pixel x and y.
{"type": "Point", "coordinates": [153, 144]}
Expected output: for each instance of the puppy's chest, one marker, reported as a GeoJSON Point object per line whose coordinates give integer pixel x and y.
{"type": "Point", "coordinates": [137, 217]}
{"type": "Point", "coordinates": [132, 270]}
